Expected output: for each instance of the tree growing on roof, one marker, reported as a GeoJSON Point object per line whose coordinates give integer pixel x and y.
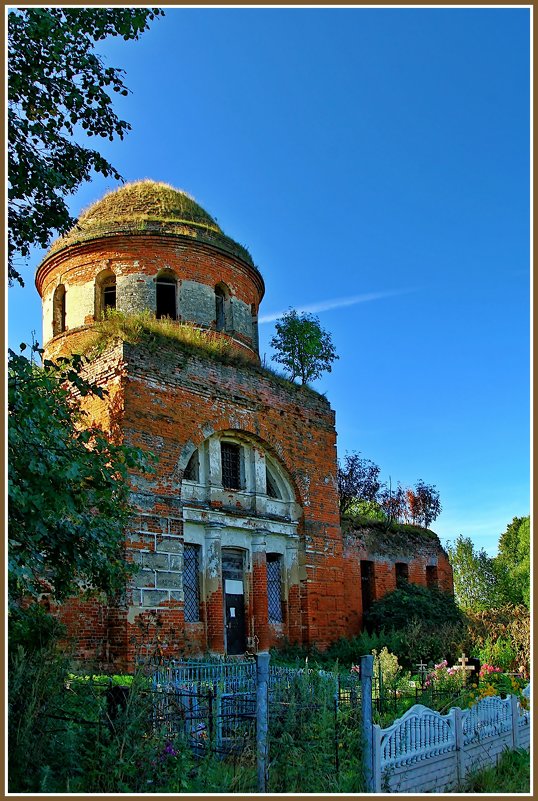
{"type": "Point", "coordinates": [302, 346]}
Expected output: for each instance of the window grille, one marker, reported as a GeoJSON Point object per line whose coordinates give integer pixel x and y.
{"type": "Point", "coordinates": [231, 465]}
{"type": "Point", "coordinates": [191, 583]}
{"type": "Point", "coordinates": [274, 587]}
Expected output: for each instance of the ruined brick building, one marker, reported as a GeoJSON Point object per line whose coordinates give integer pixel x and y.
{"type": "Point", "coordinates": [237, 533]}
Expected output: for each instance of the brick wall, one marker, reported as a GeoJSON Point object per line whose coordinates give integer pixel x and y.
{"type": "Point", "coordinates": [136, 261]}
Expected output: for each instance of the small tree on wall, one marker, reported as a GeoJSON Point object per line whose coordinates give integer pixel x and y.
{"type": "Point", "coordinates": [428, 503]}
{"type": "Point", "coordinates": [358, 483]}
{"type": "Point", "coordinates": [302, 346]}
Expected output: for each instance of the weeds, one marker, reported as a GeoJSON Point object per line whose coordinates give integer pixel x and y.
{"type": "Point", "coordinates": [510, 775]}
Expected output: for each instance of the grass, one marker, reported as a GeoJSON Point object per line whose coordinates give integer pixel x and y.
{"type": "Point", "coordinates": [144, 328]}
{"type": "Point", "coordinates": [405, 530]}
{"type": "Point", "coordinates": [510, 775]}
{"type": "Point", "coordinates": [141, 205]}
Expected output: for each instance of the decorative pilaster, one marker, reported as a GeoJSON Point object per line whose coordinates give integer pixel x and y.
{"type": "Point", "coordinates": [292, 589]}
{"type": "Point", "coordinates": [259, 589]}
{"type": "Point", "coordinates": [213, 588]}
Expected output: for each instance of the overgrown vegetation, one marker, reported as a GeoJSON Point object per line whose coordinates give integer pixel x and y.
{"type": "Point", "coordinates": [302, 346]}
{"type": "Point", "coordinates": [57, 85]}
{"type": "Point", "coordinates": [365, 498]}
{"type": "Point", "coordinates": [144, 328]}
{"type": "Point", "coordinates": [68, 484]}
{"type": "Point", "coordinates": [512, 774]}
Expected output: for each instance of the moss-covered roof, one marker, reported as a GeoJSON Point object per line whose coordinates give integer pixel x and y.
{"type": "Point", "coordinates": [144, 207]}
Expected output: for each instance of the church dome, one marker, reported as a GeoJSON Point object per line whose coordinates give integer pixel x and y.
{"type": "Point", "coordinates": [148, 207]}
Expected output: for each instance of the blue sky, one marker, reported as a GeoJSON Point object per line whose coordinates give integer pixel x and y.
{"type": "Point", "coordinates": [375, 162]}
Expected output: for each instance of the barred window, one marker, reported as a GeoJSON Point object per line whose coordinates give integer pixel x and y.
{"type": "Point", "coordinates": [274, 587]}
{"type": "Point", "coordinates": [191, 583]}
{"type": "Point", "coordinates": [231, 465]}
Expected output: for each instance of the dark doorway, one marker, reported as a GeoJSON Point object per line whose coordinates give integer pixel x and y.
{"type": "Point", "coordinates": [166, 297]}
{"type": "Point", "coordinates": [234, 601]}
{"type": "Point", "coordinates": [367, 584]}
{"type": "Point", "coordinates": [431, 577]}
{"type": "Point", "coordinates": [402, 574]}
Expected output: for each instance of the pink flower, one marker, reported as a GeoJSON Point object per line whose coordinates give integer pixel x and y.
{"type": "Point", "coordinates": [356, 669]}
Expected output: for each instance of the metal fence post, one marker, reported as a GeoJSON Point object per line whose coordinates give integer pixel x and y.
{"type": "Point", "coordinates": [262, 717]}
{"type": "Point", "coordinates": [367, 671]}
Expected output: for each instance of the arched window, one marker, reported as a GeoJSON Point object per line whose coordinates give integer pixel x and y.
{"type": "Point", "coordinates": [192, 471]}
{"type": "Point", "coordinates": [223, 312]}
{"type": "Point", "coordinates": [166, 295]}
{"type": "Point", "coordinates": [58, 310]}
{"type": "Point", "coordinates": [109, 294]}
{"type": "Point", "coordinates": [105, 293]}
{"type": "Point", "coordinates": [254, 318]}
{"type": "Point", "coordinates": [273, 490]}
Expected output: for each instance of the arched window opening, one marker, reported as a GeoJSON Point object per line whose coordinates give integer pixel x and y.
{"type": "Point", "coordinates": [105, 293]}
{"type": "Point", "coordinates": [109, 294]}
{"type": "Point", "coordinates": [231, 465]}
{"type": "Point", "coordinates": [254, 318]}
{"type": "Point", "coordinates": [274, 587]}
{"type": "Point", "coordinates": [192, 471]}
{"type": "Point", "coordinates": [273, 490]}
{"type": "Point", "coordinates": [219, 310]}
{"type": "Point", "coordinates": [223, 312]}
{"type": "Point", "coordinates": [58, 310]}
{"type": "Point", "coordinates": [166, 289]}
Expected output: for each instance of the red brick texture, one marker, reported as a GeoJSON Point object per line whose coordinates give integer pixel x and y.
{"type": "Point", "coordinates": [168, 402]}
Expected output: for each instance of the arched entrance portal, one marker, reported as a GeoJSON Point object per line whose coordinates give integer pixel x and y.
{"type": "Point", "coordinates": [241, 514]}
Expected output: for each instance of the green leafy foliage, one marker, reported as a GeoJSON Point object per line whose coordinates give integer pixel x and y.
{"type": "Point", "coordinates": [358, 485]}
{"type": "Point", "coordinates": [302, 346]}
{"type": "Point", "coordinates": [513, 561]}
{"type": "Point", "coordinates": [412, 601]}
{"type": "Point", "coordinates": [59, 89]}
{"type": "Point", "coordinates": [68, 485]}
{"type": "Point", "coordinates": [477, 583]}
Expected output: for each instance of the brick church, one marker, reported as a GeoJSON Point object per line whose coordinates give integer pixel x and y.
{"type": "Point", "coordinates": [237, 533]}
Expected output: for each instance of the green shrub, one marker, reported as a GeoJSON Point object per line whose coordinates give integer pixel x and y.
{"type": "Point", "coordinates": [413, 602]}
{"type": "Point", "coordinates": [499, 652]}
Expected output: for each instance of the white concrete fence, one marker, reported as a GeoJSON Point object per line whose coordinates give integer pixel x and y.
{"type": "Point", "coordinates": [424, 751]}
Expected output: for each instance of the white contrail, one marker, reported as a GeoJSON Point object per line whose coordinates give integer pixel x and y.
{"type": "Point", "coordinates": [337, 303]}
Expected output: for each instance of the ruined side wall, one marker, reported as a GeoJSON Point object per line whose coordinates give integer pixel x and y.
{"type": "Point", "coordinates": [385, 550]}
